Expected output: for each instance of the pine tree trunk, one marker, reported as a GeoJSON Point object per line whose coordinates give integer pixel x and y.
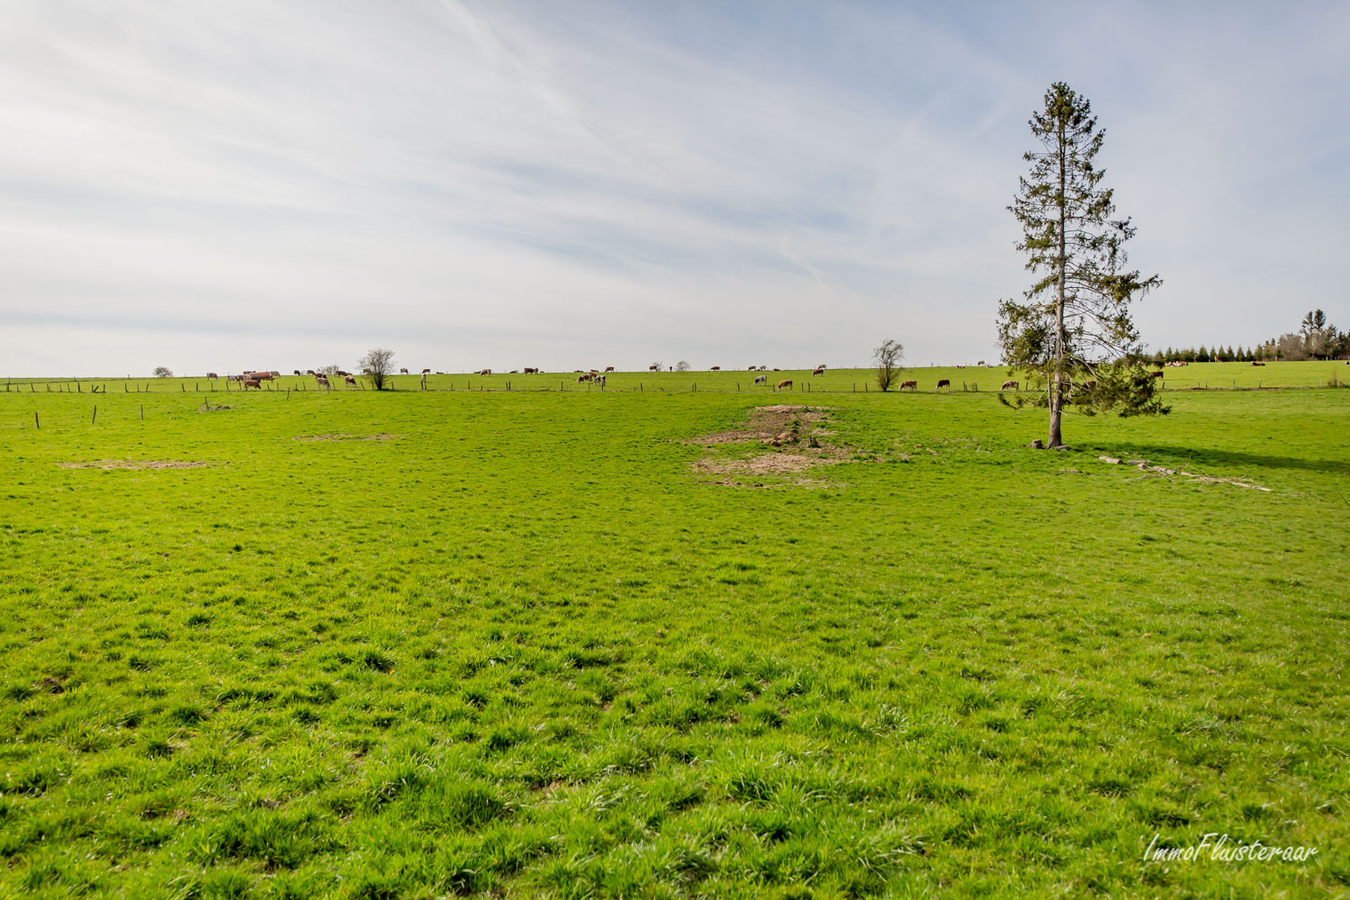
{"type": "Point", "coordinates": [1056, 386]}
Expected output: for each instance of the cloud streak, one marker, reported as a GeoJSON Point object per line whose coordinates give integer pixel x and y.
{"type": "Point", "coordinates": [518, 184]}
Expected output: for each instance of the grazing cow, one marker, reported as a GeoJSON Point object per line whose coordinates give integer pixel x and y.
{"type": "Point", "coordinates": [600, 380]}
{"type": "Point", "coordinates": [403, 371]}
{"type": "Point", "coordinates": [1157, 374]}
{"type": "Point", "coordinates": [296, 372]}
{"type": "Point", "coordinates": [945, 382]}
{"type": "Point", "coordinates": [321, 379]}
{"type": "Point", "coordinates": [585, 376]}
{"type": "Point", "coordinates": [762, 379]}
{"type": "Point", "coordinates": [821, 367]}
{"type": "Point", "coordinates": [911, 384]}
{"type": "Point", "coordinates": [1009, 385]}
{"type": "Point", "coordinates": [818, 372]}
{"type": "Point", "coordinates": [749, 368]}
{"type": "Point", "coordinates": [310, 372]}
{"type": "Point", "coordinates": [253, 383]}
{"type": "Point", "coordinates": [1258, 363]}
{"type": "Point", "coordinates": [212, 376]}
{"type": "Point", "coordinates": [776, 369]}
{"type": "Point", "coordinates": [609, 369]}
{"type": "Point", "coordinates": [715, 369]}
{"type": "Point", "coordinates": [531, 370]}
{"type": "Point", "coordinates": [785, 383]}
{"type": "Point", "coordinates": [350, 380]}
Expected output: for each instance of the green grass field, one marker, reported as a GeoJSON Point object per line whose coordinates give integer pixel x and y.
{"type": "Point", "coordinates": [1211, 376]}
{"type": "Point", "coordinates": [419, 644]}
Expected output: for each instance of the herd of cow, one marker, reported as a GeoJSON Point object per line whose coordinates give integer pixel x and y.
{"type": "Point", "coordinates": [594, 376]}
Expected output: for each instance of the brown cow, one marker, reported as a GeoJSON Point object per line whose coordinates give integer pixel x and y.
{"type": "Point", "coordinates": [1009, 385]}
{"type": "Point", "coordinates": [749, 368]}
{"type": "Point", "coordinates": [818, 372]}
{"type": "Point", "coordinates": [608, 369]}
{"type": "Point", "coordinates": [253, 383]}
{"type": "Point", "coordinates": [212, 376]}
{"type": "Point", "coordinates": [1157, 374]}
{"type": "Point", "coordinates": [785, 383]}
{"type": "Point", "coordinates": [945, 382]}
{"type": "Point", "coordinates": [911, 384]}
{"type": "Point", "coordinates": [585, 376]}
{"type": "Point", "coordinates": [715, 369]}
{"type": "Point", "coordinates": [403, 371]}
{"type": "Point", "coordinates": [653, 368]}
{"type": "Point", "coordinates": [350, 380]}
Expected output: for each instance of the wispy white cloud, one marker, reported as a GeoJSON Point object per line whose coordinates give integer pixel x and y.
{"type": "Point", "coordinates": [539, 184]}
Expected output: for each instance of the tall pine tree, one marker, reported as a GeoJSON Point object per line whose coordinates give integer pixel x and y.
{"type": "Point", "coordinates": [1073, 327]}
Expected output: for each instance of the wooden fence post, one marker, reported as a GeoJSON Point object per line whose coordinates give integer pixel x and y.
{"type": "Point", "coordinates": [94, 417]}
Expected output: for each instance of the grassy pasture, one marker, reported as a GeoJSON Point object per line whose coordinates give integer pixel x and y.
{"type": "Point", "coordinates": [422, 644]}
{"type": "Point", "coordinates": [1212, 376]}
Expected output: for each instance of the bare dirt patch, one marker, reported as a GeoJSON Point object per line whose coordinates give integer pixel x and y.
{"type": "Point", "coordinates": [766, 424]}
{"type": "Point", "coordinates": [344, 437]}
{"type": "Point", "coordinates": [794, 438]}
{"type": "Point", "coordinates": [135, 464]}
{"type": "Point", "coordinates": [770, 463]}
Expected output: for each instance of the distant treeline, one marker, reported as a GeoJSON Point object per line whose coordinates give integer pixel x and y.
{"type": "Point", "coordinates": [1316, 339]}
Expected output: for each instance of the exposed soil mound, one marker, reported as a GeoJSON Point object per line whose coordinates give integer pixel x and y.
{"type": "Point", "coordinates": [793, 433]}
{"type": "Point", "coordinates": [768, 423]}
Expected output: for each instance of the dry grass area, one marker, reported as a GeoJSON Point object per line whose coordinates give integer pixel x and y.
{"type": "Point", "coordinates": [134, 464]}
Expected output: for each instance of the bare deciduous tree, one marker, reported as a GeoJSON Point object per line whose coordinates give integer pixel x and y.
{"type": "Point", "coordinates": [682, 366]}
{"type": "Point", "coordinates": [163, 372]}
{"type": "Point", "coordinates": [377, 365]}
{"type": "Point", "coordinates": [887, 358]}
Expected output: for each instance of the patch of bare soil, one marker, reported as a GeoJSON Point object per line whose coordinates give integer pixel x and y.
{"type": "Point", "coordinates": [344, 437]}
{"type": "Point", "coordinates": [771, 463]}
{"type": "Point", "coordinates": [134, 464]}
{"type": "Point", "coordinates": [791, 428]}
{"type": "Point", "coordinates": [766, 424]}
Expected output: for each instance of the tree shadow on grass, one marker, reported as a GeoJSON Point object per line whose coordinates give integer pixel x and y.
{"type": "Point", "coordinates": [1156, 453]}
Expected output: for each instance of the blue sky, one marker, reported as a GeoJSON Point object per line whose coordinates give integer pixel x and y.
{"type": "Point", "coordinates": [221, 186]}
